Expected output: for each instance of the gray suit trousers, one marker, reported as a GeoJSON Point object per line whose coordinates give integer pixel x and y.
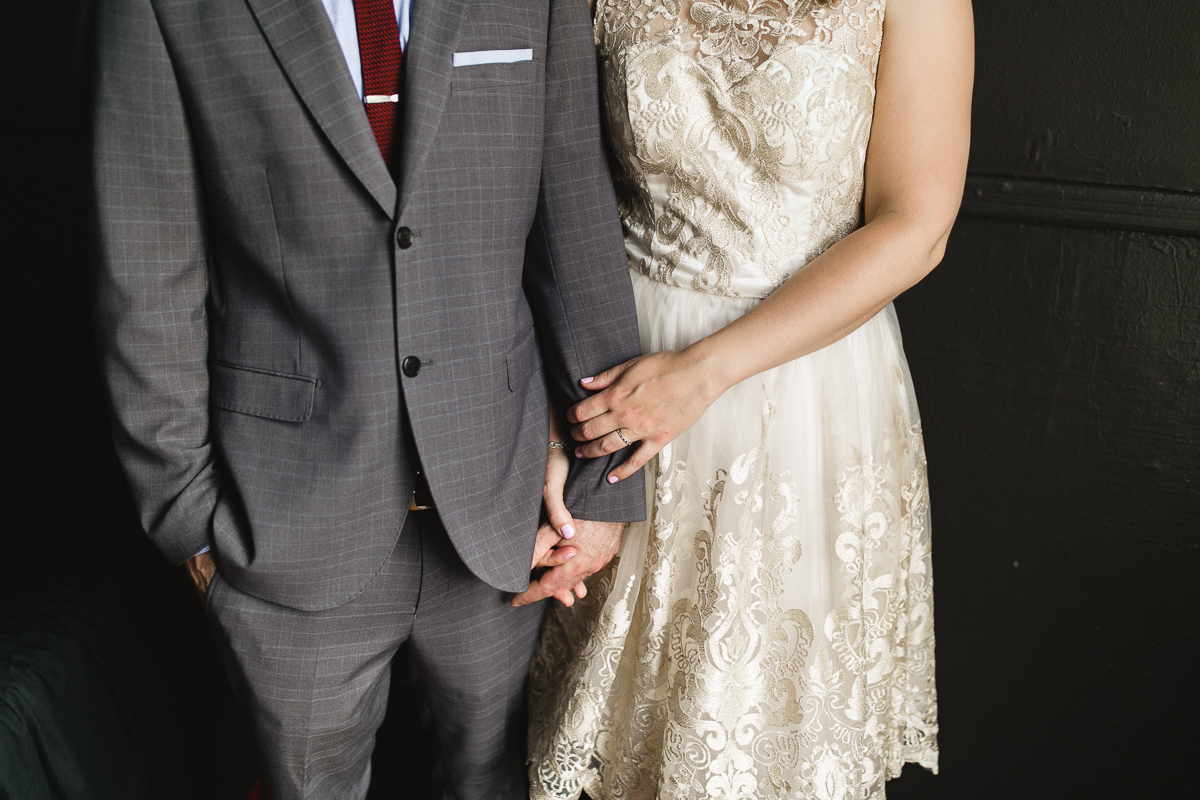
{"type": "Point", "coordinates": [316, 682]}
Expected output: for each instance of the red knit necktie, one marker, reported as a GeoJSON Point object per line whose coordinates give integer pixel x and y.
{"type": "Point", "coordinates": [379, 51]}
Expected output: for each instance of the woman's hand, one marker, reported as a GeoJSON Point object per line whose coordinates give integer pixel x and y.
{"type": "Point", "coordinates": [557, 526]}
{"type": "Point", "coordinates": [558, 466]}
{"type": "Point", "coordinates": [645, 402]}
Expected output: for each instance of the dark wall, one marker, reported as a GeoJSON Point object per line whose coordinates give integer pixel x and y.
{"type": "Point", "coordinates": [72, 546]}
{"type": "Point", "coordinates": [1057, 376]}
{"type": "Point", "coordinates": [1055, 354]}
{"type": "Point", "coordinates": [1101, 91]}
{"type": "Point", "coordinates": [63, 492]}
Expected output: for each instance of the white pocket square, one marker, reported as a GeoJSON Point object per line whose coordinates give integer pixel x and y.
{"type": "Point", "coordinates": [473, 57]}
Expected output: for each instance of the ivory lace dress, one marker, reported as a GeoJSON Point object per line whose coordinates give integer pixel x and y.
{"type": "Point", "coordinates": [768, 632]}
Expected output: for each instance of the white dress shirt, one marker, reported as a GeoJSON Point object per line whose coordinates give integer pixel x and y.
{"type": "Point", "coordinates": [341, 14]}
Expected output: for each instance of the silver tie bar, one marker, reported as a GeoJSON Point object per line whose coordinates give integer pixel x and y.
{"type": "Point", "coordinates": [382, 98]}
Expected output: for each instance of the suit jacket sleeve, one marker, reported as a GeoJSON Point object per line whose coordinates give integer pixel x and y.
{"type": "Point", "coordinates": [152, 281]}
{"type": "Point", "coordinates": [576, 274]}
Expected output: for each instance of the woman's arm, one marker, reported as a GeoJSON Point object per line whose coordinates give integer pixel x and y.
{"type": "Point", "coordinates": [915, 169]}
{"type": "Point", "coordinates": [550, 548]}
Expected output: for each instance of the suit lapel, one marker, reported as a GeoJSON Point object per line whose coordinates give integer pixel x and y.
{"type": "Point", "coordinates": [434, 27]}
{"type": "Point", "coordinates": [304, 43]}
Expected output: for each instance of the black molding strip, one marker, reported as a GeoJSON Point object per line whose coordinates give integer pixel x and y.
{"type": "Point", "coordinates": [1082, 205]}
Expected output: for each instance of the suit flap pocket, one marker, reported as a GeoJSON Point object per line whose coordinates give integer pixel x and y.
{"type": "Point", "coordinates": [261, 393]}
{"type": "Point", "coordinates": [522, 361]}
{"type": "Point", "coordinates": [495, 75]}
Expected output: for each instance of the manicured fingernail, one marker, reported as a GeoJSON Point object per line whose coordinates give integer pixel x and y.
{"type": "Point", "coordinates": [568, 556]}
{"type": "Point", "coordinates": [567, 531]}
{"type": "Point", "coordinates": [579, 452]}
{"type": "Point", "coordinates": [613, 478]}
{"type": "Point", "coordinates": [586, 380]}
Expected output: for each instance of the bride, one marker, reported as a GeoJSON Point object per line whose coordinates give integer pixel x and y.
{"type": "Point", "coordinates": [785, 168]}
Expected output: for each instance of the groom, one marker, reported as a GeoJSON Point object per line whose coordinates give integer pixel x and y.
{"type": "Point", "coordinates": [347, 249]}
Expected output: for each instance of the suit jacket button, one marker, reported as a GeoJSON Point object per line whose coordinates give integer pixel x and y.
{"type": "Point", "coordinates": [404, 238]}
{"type": "Point", "coordinates": [410, 366]}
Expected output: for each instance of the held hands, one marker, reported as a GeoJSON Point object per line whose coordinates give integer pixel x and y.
{"type": "Point", "coordinates": [566, 565]}
{"type": "Point", "coordinates": [595, 544]}
{"type": "Point", "coordinates": [645, 402]}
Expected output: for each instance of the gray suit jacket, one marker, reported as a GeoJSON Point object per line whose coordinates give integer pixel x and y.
{"type": "Point", "coordinates": [255, 302]}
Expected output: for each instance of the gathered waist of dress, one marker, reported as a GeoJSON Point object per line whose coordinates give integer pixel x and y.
{"type": "Point", "coordinates": [674, 316]}
{"type": "Point", "coordinates": [720, 274]}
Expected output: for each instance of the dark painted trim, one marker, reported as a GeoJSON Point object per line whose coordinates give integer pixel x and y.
{"type": "Point", "coordinates": [1082, 205]}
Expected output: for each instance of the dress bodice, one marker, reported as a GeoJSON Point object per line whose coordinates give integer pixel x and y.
{"type": "Point", "coordinates": [739, 129]}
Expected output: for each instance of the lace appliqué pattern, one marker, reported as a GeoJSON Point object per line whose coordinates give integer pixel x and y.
{"type": "Point", "coordinates": [695, 681]}
{"type": "Point", "coordinates": [729, 105]}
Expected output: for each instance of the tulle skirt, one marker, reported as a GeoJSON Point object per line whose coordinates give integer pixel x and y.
{"type": "Point", "coordinates": [768, 631]}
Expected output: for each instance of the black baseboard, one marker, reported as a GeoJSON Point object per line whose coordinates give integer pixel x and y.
{"type": "Point", "coordinates": [1082, 205]}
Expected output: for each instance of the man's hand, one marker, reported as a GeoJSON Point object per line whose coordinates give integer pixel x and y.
{"type": "Point", "coordinates": [201, 569]}
{"type": "Point", "coordinates": [595, 544]}
{"type": "Point", "coordinates": [549, 552]}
